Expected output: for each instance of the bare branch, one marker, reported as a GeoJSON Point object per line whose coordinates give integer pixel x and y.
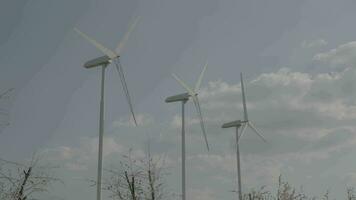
{"type": "Point", "coordinates": [19, 181]}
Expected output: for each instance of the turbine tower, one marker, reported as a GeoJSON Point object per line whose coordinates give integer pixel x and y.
{"type": "Point", "coordinates": [237, 124]}
{"type": "Point", "coordinates": [184, 97]}
{"type": "Point", "coordinates": [103, 61]}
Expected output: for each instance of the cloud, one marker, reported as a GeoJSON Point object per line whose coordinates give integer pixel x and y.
{"type": "Point", "coordinates": [307, 119]}
{"type": "Point", "coordinates": [75, 166]}
{"type": "Point", "coordinates": [78, 158]}
{"type": "Point", "coordinates": [85, 154]}
{"type": "Point", "coordinates": [344, 54]}
{"type": "Point", "coordinates": [264, 169]}
{"type": "Point", "coordinates": [255, 168]}
{"type": "Point", "coordinates": [283, 96]}
{"type": "Point", "coordinates": [201, 194]}
{"type": "Point", "coordinates": [177, 121]}
{"type": "Point", "coordinates": [350, 178]}
{"type": "Point", "coordinates": [142, 120]}
{"type": "Point", "coordinates": [314, 43]}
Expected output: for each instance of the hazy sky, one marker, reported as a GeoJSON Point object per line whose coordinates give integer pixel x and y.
{"type": "Point", "coordinates": [298, 58]}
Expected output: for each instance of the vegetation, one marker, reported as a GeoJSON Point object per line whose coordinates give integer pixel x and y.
{"type": "Point", "coordinates": [133, 179]}
{"type": "Point", "coordinates": [23, 181]}
{"type": "Point", "coordinates": [137, 179]}
{"type": "Point", "coordinates": [285, 191]}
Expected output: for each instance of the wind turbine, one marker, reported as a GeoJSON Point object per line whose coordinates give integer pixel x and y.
{"type": "Point", "coordinates": [184, 97]}
{"type": "Point", "coordinates": [237, 124]}
{"type": "Point", "coordinates": [103, 61]}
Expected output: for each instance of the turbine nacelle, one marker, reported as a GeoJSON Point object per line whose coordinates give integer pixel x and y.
{"type": "Point", "coordinates": [192, 93]}
{"type": "Point", "coordinates": [237, 123]}
{"type": "Point", "coordinates": [246, 122]}
{"type": "Point", "coordinates": [111, 56]}
{"type": "Point", "coordinates": [100, 61]}
{"type": "Point", "coordinates": [180, 97]}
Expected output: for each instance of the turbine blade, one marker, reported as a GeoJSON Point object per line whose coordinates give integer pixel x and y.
{"type": "Point", "coordinates": [101, 47]}
{"type": "Point", "coordinates": [124, 87]}
{"type": "Point", "coordinates": [197, 85]}
{"type": "Point", "coordinates": [243, 98]}
{"type": "Point", "coordinates": [197, 106]}
{"type": "Point", "coordinates": [126, 37]}
{"type": "Point", "coordinates": [184, 85]}
{"type": "Point", "coordinates": [242, 131]}
{"type": "Point", "coordinates": [250, 124]}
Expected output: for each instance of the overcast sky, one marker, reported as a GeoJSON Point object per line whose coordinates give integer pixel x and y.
{"type": "Point", "coordinates": [298, 60]}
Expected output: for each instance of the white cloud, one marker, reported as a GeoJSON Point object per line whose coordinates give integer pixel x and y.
{"type": "Point", "coordinates": [342, 55]}
{"type": "Point", "coordinates": [224, 162]}
{"type": "Point", "coordinates": [201, 194]}
{"type": "Point", "coordinates": [177, 121]}
{"type": "Point", "coordinates": [313, 114]}
{"type": "Point", "coordinates": [75, 166]}
{"type": "Point", "coordinates": [78, 158]}
{"type": "Point", "coordinates": [141, 119]}
{"type": "Point", "coordinates": [261, 168]}
{"type": "Point", "coordinates": [314, 43]}
{"type": "Point", "coordinates": [321, 96]}
{"type": "Point", "coordinates": [350, 178]}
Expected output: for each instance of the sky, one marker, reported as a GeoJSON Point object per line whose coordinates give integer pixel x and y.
{"type": "Point", "coordinates": [298, 59]}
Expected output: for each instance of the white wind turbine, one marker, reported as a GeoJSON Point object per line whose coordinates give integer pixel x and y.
{"type": "Point", "coordinates": [247, 122]}
{"type": "Point", "coordinates": [184, 97]}
{"type": "Point", "coordinates": [103, 61]}
{"type": "Point", "coordinates": [237, 124]}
